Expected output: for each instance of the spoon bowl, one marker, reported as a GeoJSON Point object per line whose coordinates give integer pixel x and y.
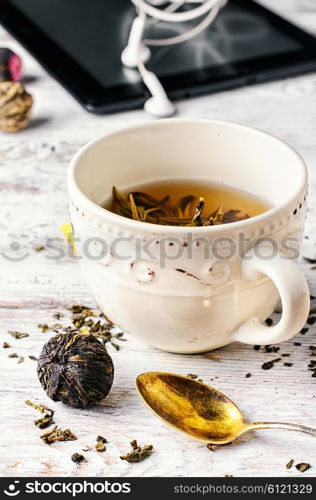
{"type": "Point", "coordinates": [198, 410]}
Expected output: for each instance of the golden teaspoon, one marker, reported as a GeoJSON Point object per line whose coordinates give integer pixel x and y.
{"type": "Point", "coordinates": [198, 410]}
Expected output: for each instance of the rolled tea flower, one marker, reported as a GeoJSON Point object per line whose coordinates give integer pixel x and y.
{"type": "Point", "coordinates": [15, 106]}
{"type": "Point", "coordinates": [76, 369]}
{"type": "Point", "coordinates": [10, 65]}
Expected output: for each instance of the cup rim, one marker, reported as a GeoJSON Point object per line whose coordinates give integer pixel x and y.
{"type": "Point", "coordinates": [116, 219]}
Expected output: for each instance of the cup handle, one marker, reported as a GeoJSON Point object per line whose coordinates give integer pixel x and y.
{"type": "Point", "coordinates": [294, 294]}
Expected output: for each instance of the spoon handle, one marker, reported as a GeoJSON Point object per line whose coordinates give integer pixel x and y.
{"type": "Point", "coordinates": [281, 425]}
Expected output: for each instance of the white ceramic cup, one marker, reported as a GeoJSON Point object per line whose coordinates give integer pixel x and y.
{"type": "Point", "coordinates": [189, 290]}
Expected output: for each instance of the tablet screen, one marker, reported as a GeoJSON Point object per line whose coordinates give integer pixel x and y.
{"type": "Point", "coordinates": [94, 32]}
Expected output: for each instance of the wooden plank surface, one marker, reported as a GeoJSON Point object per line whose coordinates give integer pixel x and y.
{"type": "Point", "coordinates": [33, 286]}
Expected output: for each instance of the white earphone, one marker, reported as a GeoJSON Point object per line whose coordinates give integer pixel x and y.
{"type": "Point", "coordinates": [137, 53]}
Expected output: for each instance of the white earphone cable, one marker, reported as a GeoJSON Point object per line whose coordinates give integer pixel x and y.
{"type": "Point", "coordinates": [175, 17]}
{"type": "Point", "coordinates": [189, 34]}
{"type": "Point", "coordinates": [136, 53]}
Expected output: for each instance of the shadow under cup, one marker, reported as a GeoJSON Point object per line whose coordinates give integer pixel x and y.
{"type": "Point", "coordinates": [183, 289]}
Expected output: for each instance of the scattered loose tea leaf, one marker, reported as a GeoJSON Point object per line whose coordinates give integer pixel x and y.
{"type": "Point", "coordinates": [40, 407]}
{"type": "Point", "coordinates": [289, 464]}
{"type": "Point", "coordinates": [192, 376]}
{"type": "Point", "coordinates": [257, 347]}
{"type": "Point", "coordinates": [86, 448]}
{"type": "Point", "coordinates": [267, 365]}
{"type": "Point", "coordinates": [276, 360]}
{"type": "Point", "coordinates": [309, 260]}
{"type": "Point", "coordinates": [20, 359]}
{"type": "Point", "coordinates": [297, 343]}
{"type": "Point", "coordinates": [100, 446]}
{"type": "Point", "coordinates": [18, 335]}
{"type": "Point", "coordinates": [76, 369]}
{"type": "Point", "coordinates": [57, 315]}
{"type": "Point", "coordinates": [78, 458]}
{"type": "Point", "coordinates": [44, 327]}
{"type": "Point", "coordinates": [39, 249]}
{"type": "Point", "coordinates": [285, 355]}
{"type": "Point", "coordinates": [101, 439]}
{"type": "Point", "coordinates": [56, 434]}
{"type": "Point", "coordinates": [269, 321]}
{"type": "Point", "coordinates": [271, 348]}
{"type": "Point", "coordinates": [311, 320]}
{"type": "Point", "coordinates": [13, 355]}
{"type": "Point", "coordinates": [210, 446]}
{"type": "Point", "coordinates": [56, 326]}
{"type": "Point", "coordinates": [287, 364]}
{"type": "Point", "coordinates": [102, 328]}
{"type": "Point", "coordinates": [139, 453]}
{"type": "Point", "coordinates": [44, 422]}
{"type": "Point", "coordinates": [5, 345]}
{"type": "Point", "coordinates": [304, 330]}
{"type": "Point", "coordinates": [248, 375]}
{"type": "Point", "coordinates": [302, 467]}
{"type": "Point", "coordinates": [212, 357]}
{"type": "Point", "coordinates": [33, 358]}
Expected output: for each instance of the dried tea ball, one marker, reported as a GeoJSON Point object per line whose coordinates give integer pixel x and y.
{"type": "Point", "coordinates": [15, 106]}
{"type": "Point", "coordinates": [76, 369]}
{"type": "Point", "coordinates": [10, 65]}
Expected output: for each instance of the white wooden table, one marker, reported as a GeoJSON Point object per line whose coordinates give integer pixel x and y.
{"type": "Point", "coordinates": [33, 205]}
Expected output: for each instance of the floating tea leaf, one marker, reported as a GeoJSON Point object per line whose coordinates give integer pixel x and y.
{"type": "Point", "coordinates": [189, 210]}
{"type": "Point", "coordinates": [76, 369]}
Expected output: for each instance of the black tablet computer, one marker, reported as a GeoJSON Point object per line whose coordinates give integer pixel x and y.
{"type": "Point", "coordinates": [80, 42]}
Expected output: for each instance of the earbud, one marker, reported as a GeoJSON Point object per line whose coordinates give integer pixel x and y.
{"type": "Point", "coordinates": [159, 104]}
{"type": "Point", "coordinates": [135, 51]}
